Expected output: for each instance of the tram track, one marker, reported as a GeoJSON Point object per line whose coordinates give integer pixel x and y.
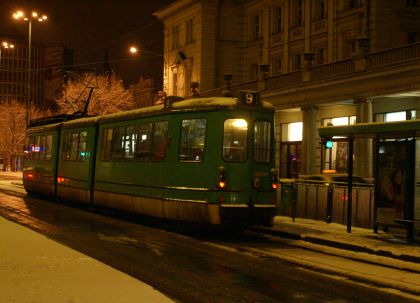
{"type": "Point", "coordinates": [249, 242]}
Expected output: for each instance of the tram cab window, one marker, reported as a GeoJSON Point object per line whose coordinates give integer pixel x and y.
{"type": "Point", "coordinates": [235, 139]}
{"type": "Point", "coordinates": [193, 134]}
{"type": "Point", "coordinates": [262, 141]}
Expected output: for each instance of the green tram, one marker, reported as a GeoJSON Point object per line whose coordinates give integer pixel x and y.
{"type": "Point", "coordinates": [207, 160]}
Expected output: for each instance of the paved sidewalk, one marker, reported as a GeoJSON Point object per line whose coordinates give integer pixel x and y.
{"type": "Point", "coordinates": [36, 269]}
{"type": "Point", "coordinates": [335, 235]}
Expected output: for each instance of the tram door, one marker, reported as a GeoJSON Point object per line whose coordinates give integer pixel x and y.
{"type": "Point", "coordinates": [290, 159]}
{"type": "Point", "coordinates": [394, 195]}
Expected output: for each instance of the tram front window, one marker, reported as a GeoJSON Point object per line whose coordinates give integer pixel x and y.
{"type": "Point", "coordinates": [262, 141]}
{"type": "Point", "coordinates": [235, 140]}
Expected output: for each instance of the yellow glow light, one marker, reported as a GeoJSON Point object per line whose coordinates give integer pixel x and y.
{"type": "Point", "coordinates": [240, 123]}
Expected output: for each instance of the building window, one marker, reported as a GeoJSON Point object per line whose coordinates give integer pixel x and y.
{"type": "Point", "coordinates": [256, 26]}
{"type": "Point", "coordinates": [396, 116]}
{"type": "Point", "coordinates": [349, 48]}
{"type": "Point", "coordinates": [320, 56]}
{"type": "Point", "coordinates": [298, 13]}
{"type": "Point", "coordinates": [189, 31]}
{"type": "Point", "coordinates": [277, 19]}
{"type": "Point", "coordinates": [297, 64]}
{"type": "Point", "coordinates": [175, 37]}
{"type": "Point", "coordinates": [353, 3]}
{"type": "Point", "coordinates": [335, 159]}
{"type": "Point", "coordinates": [175, 84]}
{"type": "Point", "coordinates": [291, 132]}
{"type": "Point", "coordinates": [411, 37]}
{"type": "Point", "coordinates": [320, 11]}
{"type": "Point", "coordinates": [276, 63]}
{"type": "Point", "coordinates": [291, 149]}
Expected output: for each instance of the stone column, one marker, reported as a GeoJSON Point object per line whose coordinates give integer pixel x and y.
{"type": "Point", "coordinates": [310, 140]}
{"type": "Point", "coordinates": [363, 148]}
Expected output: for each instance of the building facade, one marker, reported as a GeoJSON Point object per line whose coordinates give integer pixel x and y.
{"type": "Point", "coordinates": [45, 74]}
{"type": "Point", "coordinates": [319, 62]}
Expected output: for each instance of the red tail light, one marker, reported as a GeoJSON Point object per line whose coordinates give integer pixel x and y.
{"type": "Point", "coordinates": [29, 176]}
{"type": "Point", "coordinates": [60, 180]}
{"type": "Point", "coordinates": [274, 179]}
{"type": "Point", "coordinates": [221, 184]}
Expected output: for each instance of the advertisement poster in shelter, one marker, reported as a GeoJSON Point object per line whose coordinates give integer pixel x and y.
{"type": "Point", "coordinates": [395, 161]}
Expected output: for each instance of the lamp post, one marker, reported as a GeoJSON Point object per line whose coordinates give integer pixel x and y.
{"type": "Point", "coordinates": [34, 16]}
{"type": "Point", "coordinates": [5, 45]}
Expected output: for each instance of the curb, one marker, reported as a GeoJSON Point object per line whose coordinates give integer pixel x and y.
{"type": "Point", "coordinates": [339, 245]}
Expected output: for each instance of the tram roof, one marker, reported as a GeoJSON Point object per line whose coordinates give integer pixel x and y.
{"type": "Point", "coordinates": [198, 104]}
{"type": "Point", "coordinates": [400, 129]}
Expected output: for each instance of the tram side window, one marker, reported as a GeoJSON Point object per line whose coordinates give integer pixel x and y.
{"type": "Point", "coordinates": [262, 141]}
{"type": "Point", "coordinates": [27, 149]}
{"type": "Point", "coordinates": [193, 134]}
{"type": "Point", "coordinates": [235, 137]}
{"type": "Point", "coordinates": [36, 148]}
{"type": "Point", "coordinates": [130, 142]}
{"type": "Point", "coordinates": [48, 147]}
{"type": "Point", "coordinates": [160, 140]}
{"type": "Point", "coordinates": [74, 146]}
{"type": "Point", "coordinates": [107, 144]}
{"type": "Point", "coordinates": [82, 150]}
{"type": "Point", "coordinates": [66, 146]}
{"type": "Point", "coordinates": [118, 143]}
{"type": "Point", "coordinates": [42, 143]}
{"type": "Point", "coordinates": [144, 145]}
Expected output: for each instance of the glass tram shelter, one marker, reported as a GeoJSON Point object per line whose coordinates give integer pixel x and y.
{"type": "Point", "coordinates": [396, 162]}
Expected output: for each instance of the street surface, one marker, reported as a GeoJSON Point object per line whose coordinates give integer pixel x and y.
{"type": "Point", "coordinates": [202, 265]}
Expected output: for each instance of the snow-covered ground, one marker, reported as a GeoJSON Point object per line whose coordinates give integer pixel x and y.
{"type": "Point", "coordinates": [36, 269]}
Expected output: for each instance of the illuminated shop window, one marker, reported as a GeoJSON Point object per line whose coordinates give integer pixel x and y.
{"type": "Point", "coordinates": [396, 116]}
{"type": "Point", "coordinates": [292, 132]}
{"type": "Point", "coordinates": [334, 159]}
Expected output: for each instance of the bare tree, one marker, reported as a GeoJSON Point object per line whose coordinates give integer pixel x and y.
{"type": "Point", "coordinates": [12, 131]}
{"type": "Point", "coordinates": [108, 95]}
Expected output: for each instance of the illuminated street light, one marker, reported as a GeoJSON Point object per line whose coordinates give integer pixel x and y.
{"type": "Point", "coordinates": [34, 16]}
{"type": "Point", "coordinates": [133, 50]}
{"type": "Point", "coordinates": [5, 45]}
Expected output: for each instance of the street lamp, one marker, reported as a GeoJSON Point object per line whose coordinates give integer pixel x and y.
{"type": "Point", "coordinates": [133, 50]}
{"type": "Point", "coordinates": [5, 45]}
{"type": "Point", "coordinates": [33, 16]}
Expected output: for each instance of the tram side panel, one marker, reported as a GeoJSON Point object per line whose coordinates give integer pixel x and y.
{"type": "Point", "coordinates": [131, 165]}
{"type": "Point", "coordinates": [177, 175]}
{"type": "Point", "coordinates": [76, 162]}
{"type": "Point", "coordinates": [39, 164]}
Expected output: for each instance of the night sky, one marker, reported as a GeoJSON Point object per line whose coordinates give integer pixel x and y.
{"type": "Point", "coordinates": [93, 27]}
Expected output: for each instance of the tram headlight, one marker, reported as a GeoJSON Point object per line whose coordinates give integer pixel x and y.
{"type": "Point", "coordinates": [221, 184]}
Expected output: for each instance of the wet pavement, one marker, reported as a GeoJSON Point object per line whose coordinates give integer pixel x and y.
{"type": "Point", "coordinates": [50, 263]}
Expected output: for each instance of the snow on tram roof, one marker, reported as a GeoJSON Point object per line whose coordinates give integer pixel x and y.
{"type": "Point", "coordinates": [196, 103]}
